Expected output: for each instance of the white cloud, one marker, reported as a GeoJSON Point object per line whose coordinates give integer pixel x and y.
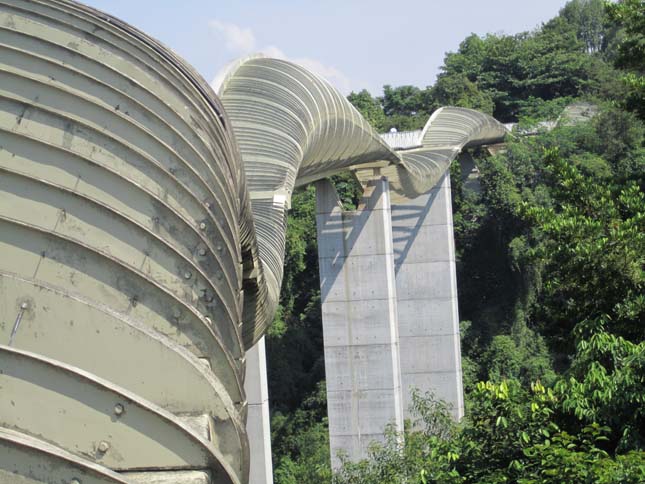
{"type": "Point", "coordinates": [237, 40]}
{"type": "Point", "coordinates": [273, 51]}
{"type": "Point", "coordinates": [241, 42]}
{"type": "Point", "coordinates": [337, 79]}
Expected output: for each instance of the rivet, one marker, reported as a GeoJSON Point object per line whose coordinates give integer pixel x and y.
{"type": "Point", "coordinates": [202, 251]}
{"type": "Point", "coordinates": [219, 248]}
{"type": "Point", "coordinates": [118, 409]}
{"type": "Point", "coordinates": [24, 305]}
{"type": "Point", "coordinates": [104, 446]}
{"type": "Point", "coordinates": [187, 275]}
{"type": "Point", "coordinates": [75, 481]}
{"type": "Point", "coordinates": [202, 226]}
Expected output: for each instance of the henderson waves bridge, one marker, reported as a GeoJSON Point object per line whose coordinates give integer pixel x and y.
{"type": "Point", "coordinates": [142, 235]}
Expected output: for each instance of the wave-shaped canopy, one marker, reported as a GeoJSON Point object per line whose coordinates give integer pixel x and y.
{"type": "Point", "coordinates": [292, 127]}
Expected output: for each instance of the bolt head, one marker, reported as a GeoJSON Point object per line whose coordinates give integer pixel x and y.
{"type": "Point", "coordinates": [118, 409]}
{"type": "Point", "coordinates": [75, 481]}
{"type": "Point", "coordinates": [24, 305]}
{"type": "Point", "coordinates": [220, 248]}
{"type": "Point", "coordinates": [202, 226]}
{"type": "Point", "coordinates": [187, 275]}
{"type": "Point", "coordinates": [202, 251]}
{"type": "Point", "coordinates": [104, 446]}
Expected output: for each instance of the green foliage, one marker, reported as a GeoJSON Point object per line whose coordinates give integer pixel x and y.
{"type": "Point", "coordinates": [402, 101]}
{"type": "Point", "coordinates": [588, 17]}
{"type": "Point", "coordinates": [300, 442]}
{"type": "Point", "coordinates": [370, 108]}
{"type": "Point", "coordinates": [592, 245]}
{"type": "Point", "coordinates": [536, 109]}
{"type": "Point", "coordinates": [550, 246]}
{"type": "Point", "coordinates": [519, 73]}
{"type": "Point", "coordinates": [509, 436]}
{"type": "Point", "coordinates": [607, 384]}
{"type": "Point", "coordinates": [348, 188]}
{"type": "Point", "coordinates": [418, 456]}
{"type": "Point", "coordinates": [619, 141]}
{"type": "Point", "coordinates": [629, 17]}
{"type": "Point", "coordinates": [522, 355]}
{"type": "Point", "coordinates": [458, 90]}
{"type": "Point", "coordinates": [295, 364]}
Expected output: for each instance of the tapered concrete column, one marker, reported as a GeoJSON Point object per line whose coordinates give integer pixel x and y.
{"type": "Point", "coordinates": [359, 319]}
{"type": "Point", "coordinates": [426, 286]}
{"type": "Point", "coordinates": [258, 420]}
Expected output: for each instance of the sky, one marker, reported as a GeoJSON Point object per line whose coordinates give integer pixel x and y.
{"type": "Point", "coordinates": [354, 44]}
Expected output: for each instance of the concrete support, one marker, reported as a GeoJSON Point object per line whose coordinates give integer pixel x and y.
{"type": "Point", "coordinates": [258, 419]}
{"type": "Point", "coordinates": [359, 319]}
{"type": "Point", "coordinates": [426, 287]}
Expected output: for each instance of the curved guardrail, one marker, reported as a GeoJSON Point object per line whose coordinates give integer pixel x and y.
{"type": "Point", "coordinates": [142, 237]}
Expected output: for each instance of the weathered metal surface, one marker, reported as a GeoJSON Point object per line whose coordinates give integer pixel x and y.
{"type": "Point", "coordinates": [108, 424]}
{"type": "Point", "coordinates": [141, 248]}
{"type": "Point", "coordinates": [122, 225]}
{"type": "Point", "coordinates": [179, 477]}
{"type": "Point", "coordinates": [26, 460]}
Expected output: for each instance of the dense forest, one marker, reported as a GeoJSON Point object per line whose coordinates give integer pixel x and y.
{"type": "Point", "coordinates": [551, 253]}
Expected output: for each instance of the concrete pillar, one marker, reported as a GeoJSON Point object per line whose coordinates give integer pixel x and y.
{"type": "Point", "coordinates": [426, 287]}
{"type": "Point", "coordinates": [359, 319]}
{"type": "Point", "coordinates": [258, 419]}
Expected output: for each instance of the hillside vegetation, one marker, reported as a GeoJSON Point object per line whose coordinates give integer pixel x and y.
{"type": "Point", "coordinates": [551, 274]}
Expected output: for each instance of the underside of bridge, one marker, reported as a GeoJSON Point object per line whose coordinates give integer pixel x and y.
{"type": "Point", "coordinates": [142, 231]}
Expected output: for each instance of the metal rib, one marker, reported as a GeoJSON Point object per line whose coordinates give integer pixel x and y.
{"type": "Point", "coordinates": [138, 436]}
{"type": "Point", "coordinates": [33, 461]}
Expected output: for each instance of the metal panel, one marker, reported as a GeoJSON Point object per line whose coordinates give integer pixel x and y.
{"type": "Point", "coordinates": [107, 424]}
{"type": "Point", "coordinates": [123, 217]}
{"type": "Point", "coordinates": [26, 460]}
{"type": "Point", "coordinates": [79, 333]}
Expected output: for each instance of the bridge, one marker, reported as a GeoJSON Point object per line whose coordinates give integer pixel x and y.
{"type": "Point", "coordinates": [142, 233]}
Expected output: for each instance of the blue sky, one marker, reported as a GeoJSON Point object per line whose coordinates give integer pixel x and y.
{"type": "Point", "coordinates": [355, 44]}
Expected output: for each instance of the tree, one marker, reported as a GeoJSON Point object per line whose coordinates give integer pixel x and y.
{"type": "Point", "coordinates": [370, 108]}
{"type": "Point", "coordinates": [588, 17]}
{"type": "Point", "coordinates": [458, 90]}
{"type": "Point", "coordinates": [629, 15]}
{"type": "Point", "coordinates": [592, 246]}
{"type": "Point", "coordinates": [403, 100]}
{"type": "Point", "coordinates": [511, 435]}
